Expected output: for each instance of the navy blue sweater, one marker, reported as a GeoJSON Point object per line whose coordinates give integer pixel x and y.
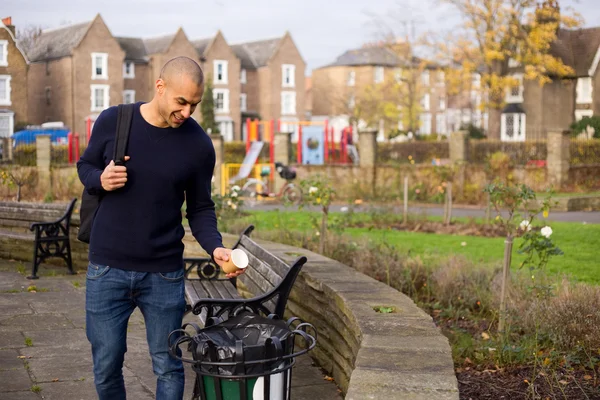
{"type": "Point", "coordinates": [138, 227]}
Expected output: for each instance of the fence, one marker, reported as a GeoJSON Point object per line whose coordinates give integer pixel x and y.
{"type": "Point", "coordinates": [584, 151]}
{"type": "Point", "coordinates": [522, 153]}
{"type": "Point", "coordinates": [420, 152]}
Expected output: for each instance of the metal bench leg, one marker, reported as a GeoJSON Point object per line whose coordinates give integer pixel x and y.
{"type": "Point", "coordinates": [36, 262]}
{"type": "Point", "coordinates": [68, 258]}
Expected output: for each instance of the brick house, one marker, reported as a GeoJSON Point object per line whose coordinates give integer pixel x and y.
{"type": "Point", "coordinates": [272, 82]}
{"type": "Point", "coordinates": [75, 72]}
{"type": "Point", "coordinates": [13, 81]}
{"type": "Point", "coordinates": [337, 86]}
{"type": "Point", "coordinates": [137, 82]}
{"type": "Point", "coordinates": [221, 65]}
{"type": "Point", "coordinates": [532, 111]}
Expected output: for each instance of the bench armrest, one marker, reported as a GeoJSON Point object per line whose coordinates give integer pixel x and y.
{"type": "Point", "coordinates": [43, 224]}
{"type": "Point", "coordinates": [204, 266]}
{"type": "Point", "coordinates": [218, 307]}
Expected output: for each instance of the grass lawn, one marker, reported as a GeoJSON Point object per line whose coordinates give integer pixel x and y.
{"type": "Point", "coordinates": [579, 242]}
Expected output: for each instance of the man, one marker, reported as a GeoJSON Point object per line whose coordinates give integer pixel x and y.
{"type": "Point", "coordinates": [136, 252]}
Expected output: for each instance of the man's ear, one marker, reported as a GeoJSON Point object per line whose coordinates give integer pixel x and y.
{"type": "Point", "coordinates": [160, 86]}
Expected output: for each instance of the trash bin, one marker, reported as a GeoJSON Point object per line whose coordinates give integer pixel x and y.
{"type": "Point", "coordinates": [247, 357]}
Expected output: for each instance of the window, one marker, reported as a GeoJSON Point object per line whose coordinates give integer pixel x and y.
{"type": "Point", "coordinates": [128, 70]}
{"type": "Point", "coordinates": [242, 76]}
{"type": "Point", "coordinates": [515, 92]}
{"type": "Point", "coordinates": [48, 93]}
{"type": "Point", "coordinates": [128, 96]}
{"type": "Point", "coordinates": [425, 102]}
{"type": "Point", "coordinates": [425, 78]}
{"type": "Point", "coordinates": [220, 72]}
{"type": "Point", "coordinates": [99, 66]}
{"type": "Point", "coordinates": [584, 90]}
{"type": "Point", "coordinates": [221, 97]}
{"type": "Point", "coordinates": [288, 75]}
{"type": "Point", "coordinates": [3, 53]}
{"type": "Point", "coordinates": [100, 97]}
{"type": "Point", "coordinates": [512, 63]}
{"type": "Point", "coordinates": [441, 78]}
{"type": "Point", "coordinates": [351, 78]}
{"type": "Point", "coordinates": [476, 80]}
{"type": "Point", "coordinates": [5, 90]}
{"type": "Point", "coordinates": [442, 105]}
{"type": "Point", "coordinates": [351, 102]}
{"type": "Point", "coordinates": [398, 75]}
{"type": "Point", "coordinates": [425, 120]}
{"type": "Point", "coordinates": [378, 74]}
{"type": "Point", "coordinates": [6, 124]}
{"type": "Point", "coordinates": [288, 103]}
{"type": "Point", "coordinates": [579, 114]}
{"type": "Point", "coordinates": [243, 102]}
{"type": "Point", "coordinates": [512, 127]}
{"type": "Point", "coordinates": [440, 124]}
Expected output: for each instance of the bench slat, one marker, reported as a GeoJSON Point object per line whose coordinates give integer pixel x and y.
{"type": "Point", "coordinates": [276, 264]}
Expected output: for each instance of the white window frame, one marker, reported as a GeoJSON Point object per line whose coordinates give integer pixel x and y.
{"type": "Point", "coordinates": [288, 71]}
{"type": "Point", "coordinates": [398, 75]}
{"type": "Point", "coordinates": [425, 124]}
{"type": "Point", "coordinates": [351, 78]}
{"type": "Point", "coordinates": [425, 77]}
{"type": "Point", "coordinates": [379, 75]}
{"type": "Point", "coordinates": [243, 77]}
{"type": "Point", "coordinates": [7, 101]}
{"type": "Point", "coordinates": [104, 66]}
{"type": "Point", "coordinates": [4, 58]}
{"type": "Point", "coordinates": [579, 114]}
{"type": "Point", "coordinates": [292, 98]}
{"type": "Point", "coordinates": [106, 89]}
{"type": "Point", "coordinates": [131, 74]}
{"type": "Point", "coordinates": [225, 93]}
{"type": "Point", "coordinates": [442, 103]}
{"type": "Point", "coordinates": [126, 93]}
{"type": "Point", "coordinates": [351, 102]}
{"type": "Point", "coordinates": [519, 121]}
{"type": "Point", "coordinates": [440, 124]}
{"type": "Point", "coordinates": [476, 80]}
{"type": "Point", "coordinates": [510, 97]}
{"type": "Point", "coordinates": [584, 83]}
{"type": "Point", "coordinates": [223, 79]}
{"type": "Point", "coordinates": [11, 122]}
{"type": "Point", "coordinates": [441, 79]}
{"type": "Point", "coordinates": [243, 102]}
{"type": "Point", "coordinates": [426, 102]}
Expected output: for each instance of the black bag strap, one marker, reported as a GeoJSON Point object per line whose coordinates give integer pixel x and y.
{"type": "Point", "coordinates": [124, 118]}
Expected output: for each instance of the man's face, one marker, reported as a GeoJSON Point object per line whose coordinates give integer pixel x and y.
{"type": "Point", "coordinates": [178, 99]}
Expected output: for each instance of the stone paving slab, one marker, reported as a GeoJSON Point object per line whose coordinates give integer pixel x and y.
{"type": "Point", "coordinates": [58, 360]}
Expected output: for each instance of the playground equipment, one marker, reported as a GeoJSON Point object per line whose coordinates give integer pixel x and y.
{"type": "Point", "coordinates": [259, 187]}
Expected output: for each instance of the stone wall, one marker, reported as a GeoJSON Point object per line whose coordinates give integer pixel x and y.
{"type": "Point", "coordinates": [370, 355]}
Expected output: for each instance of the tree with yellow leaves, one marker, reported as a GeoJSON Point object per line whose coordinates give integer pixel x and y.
{"type": "Point", "coordinates": [501, 35]}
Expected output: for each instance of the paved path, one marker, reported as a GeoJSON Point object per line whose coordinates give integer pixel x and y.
{"type": "Point", "coordinates": [589, 217]}
{"type": "Point", "coordinates": [44, 353]}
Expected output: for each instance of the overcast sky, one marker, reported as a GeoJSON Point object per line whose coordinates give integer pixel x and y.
{"type": "Point", "coordinates": [322, 29]}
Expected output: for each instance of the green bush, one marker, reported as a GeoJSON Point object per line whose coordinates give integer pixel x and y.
{"type": "Point", "coordinates": [581, 126]}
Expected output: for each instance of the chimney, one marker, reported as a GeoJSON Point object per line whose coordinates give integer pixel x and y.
{"type": "Point", "coordinates": [8, 23]}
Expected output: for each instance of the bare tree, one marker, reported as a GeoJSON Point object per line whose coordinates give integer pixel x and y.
{"type": "Point", "coordinates": [27, 36]}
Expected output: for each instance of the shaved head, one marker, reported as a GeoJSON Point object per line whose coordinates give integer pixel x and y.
{"type": "Point", "coordinates": [182, 67]}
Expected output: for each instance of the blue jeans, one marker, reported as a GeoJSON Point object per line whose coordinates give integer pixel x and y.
{"type": "Point", "coordinates": [111, 296]}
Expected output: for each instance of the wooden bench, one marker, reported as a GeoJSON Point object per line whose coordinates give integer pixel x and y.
{"type": "Point", "coordinates": [209, 294]}
{"type": "Point", "coordinates": [50, 225]}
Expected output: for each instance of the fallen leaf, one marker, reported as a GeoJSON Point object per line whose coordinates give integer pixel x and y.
{"type": "Point", "coordinates": [55, 380]}
{"type": "Point", "coordinates": [21, 357]}
{"type": "Point", "coordinates": [587, 377]}
{"type": "Point", "coordinates": [562, 381]}
{"type": "Point", "coordinates": [328, 378]}
{"type": "Point", "coordinates": [468, 360]}
{"type": "Point", "coordinates": [485, 336]}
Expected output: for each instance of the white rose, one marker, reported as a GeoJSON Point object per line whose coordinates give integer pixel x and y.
{"type": "Point", "coordinates": [344, 209]}
{"type": "Point", "coordinates": [546, 231]}
{"type": "Point", "coordinates": [524, 225]}
{"type": "Point", "coordinates": [313, 190]}
{"type": "Point", "coordinates": [235, 188]}
{"type": "Point", "coordinates": [234, 194]}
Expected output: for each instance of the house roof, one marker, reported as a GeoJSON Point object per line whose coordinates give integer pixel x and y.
{"type": "Point", "coordinates": [202, 44]}
{"type": "Point", "coordinates": [134, 48]}
{"type": "Point", "coordinates": [257, 54]}
{"type": "Point", "coordinates": [577, 48]}
{"type": "Point", "coordinates": [159, 44]}
{"type": "Point", "coordinates": [57, 43]}
{"type": "Point", "coordinates": [375, 55]}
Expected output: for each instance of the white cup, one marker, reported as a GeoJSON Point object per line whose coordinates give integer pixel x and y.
{"type": "Point", "coordinates": [238, 259]}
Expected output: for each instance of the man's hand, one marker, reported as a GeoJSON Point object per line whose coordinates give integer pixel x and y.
{"type": "Point", "coordinates": [114, 176]}
{"type": "Point", "coordinates": [221, 255]}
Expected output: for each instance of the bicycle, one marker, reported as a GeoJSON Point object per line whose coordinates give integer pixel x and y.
{"type": "Point", "coordinates": [254, 188]}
